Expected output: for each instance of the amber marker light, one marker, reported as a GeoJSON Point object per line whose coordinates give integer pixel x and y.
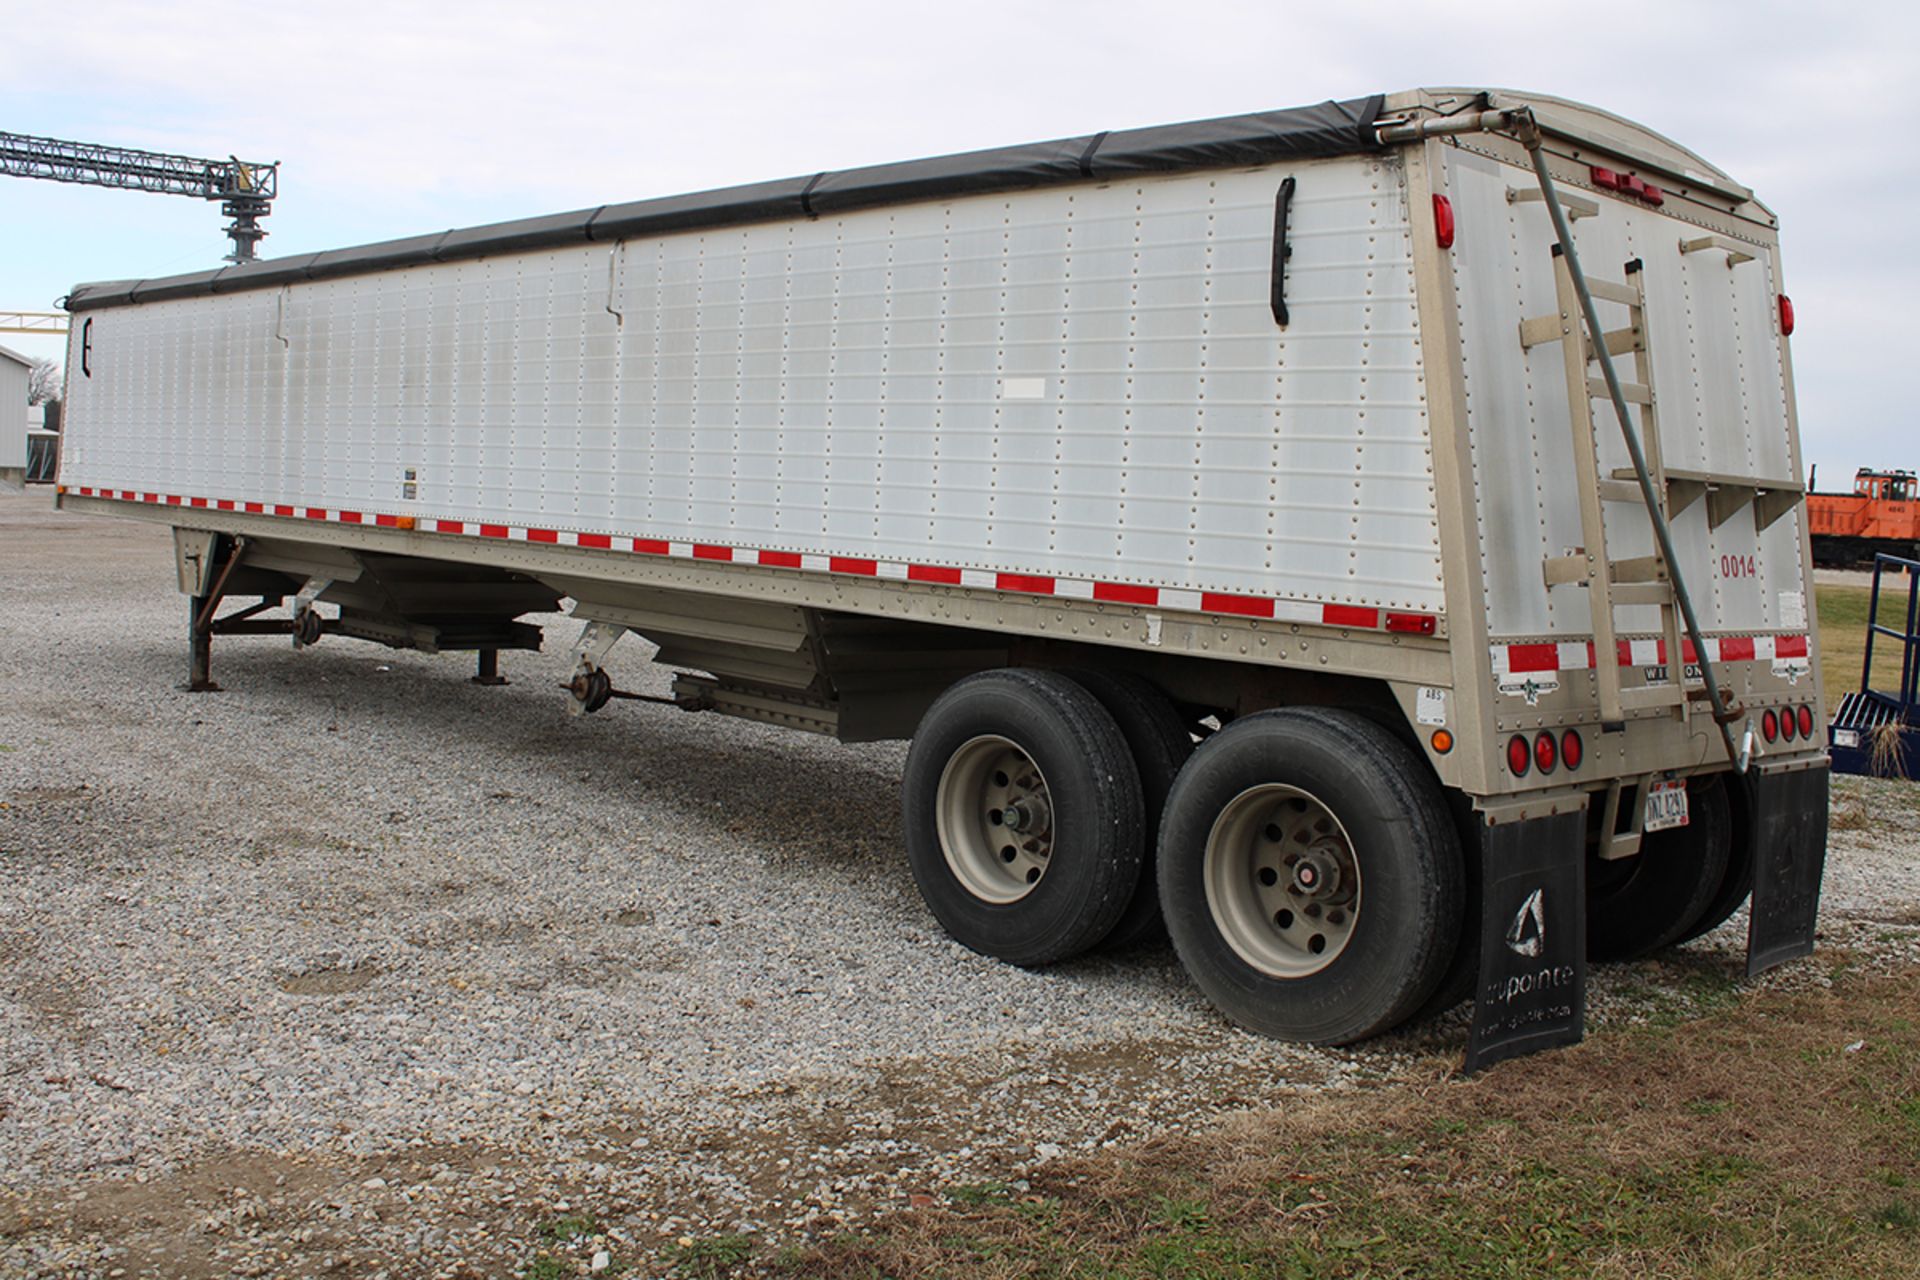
{"type": "Point", "coordinates": [1442, 741]}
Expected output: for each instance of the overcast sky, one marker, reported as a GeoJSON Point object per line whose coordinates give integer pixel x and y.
{"type": "Point", "coordinates": [393, 118]}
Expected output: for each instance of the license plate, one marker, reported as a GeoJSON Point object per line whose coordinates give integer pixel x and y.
{"type": "Point", "coordinates": [1666, 806]}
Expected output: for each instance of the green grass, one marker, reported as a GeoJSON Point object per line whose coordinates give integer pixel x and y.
{"type": "Point", "coordinates": [711, 1257]}
{"type": "Point", "coordinates": [1842, 616]}
{"type": "Point", "coordinates": [1743, 1142]}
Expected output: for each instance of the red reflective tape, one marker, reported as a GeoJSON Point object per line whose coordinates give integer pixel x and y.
{"type": "Point", "coordinates": [196, 502]}
{"type": "Point", "coordinates": [542, 535]}
{"type": "Point", "coordinates": [449, 526]}
{"type": "Point", "coordinates": [651, 546]}
{"type": "Point", "coordinates": [149, 497]}
{"type": "Point", "coordinates": [1789, 646]}
{"type": "Point", "coordinates": [1032, 583]}
{"type": "Point", "coordinates": [225, 504]}
{"type": "Point", "coordinates": [1533, 657]}
{"type": "Point", "coordinates": [1593, 659]}
{"type": "Point", "coordinates": [493, 531]}
{"type": "Point", "coordinates": [349, 517]}
{"type": "Point", "coordinates": [853, 564]}
{"type": "Point", "coordinates": [598, 541]}
{"type": "Point", "coordinates": [256, 508]}
{"type": "Point", "coordinates": [933, 573]}
{"type": "Point", "coordinates": [1248, 606]}
{"type": "Point", "coordinates": [1349, 615]}
{"type": "Point", "coordinates": [1736, 648]}
{"type": "Point", "coordinates": [173, 499]}
{"type": "Point", "coordinates": [386, 521]}
{"type": "Point", "coordinates": [780, 559]}
{"type": "Point", "coordinates": [1687, 652]}
{"type": "Point", "coordinates": [282, 509]}
{"type": "Point", "coordinates": [707, 551]}
{"type": "Point", "coordinates": [316, 513]}
{"type": "Point", "coordinates": [1623, 649]}
{"type": "Point", "coordinates": [1125, 593]}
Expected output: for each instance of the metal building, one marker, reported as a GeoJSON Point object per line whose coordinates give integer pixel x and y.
{"type": "Point", "coordinates": [14, 374]}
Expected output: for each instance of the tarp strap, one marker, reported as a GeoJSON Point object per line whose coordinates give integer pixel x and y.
{"type": "Point", "coordinates": [1086, 157]}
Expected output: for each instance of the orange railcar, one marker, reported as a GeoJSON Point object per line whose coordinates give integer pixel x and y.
{"type": "Point", "coordinates": [1881, 514]}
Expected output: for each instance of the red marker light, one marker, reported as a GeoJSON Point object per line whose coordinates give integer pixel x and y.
{"type": "Point", "coordinates": [1443, 221]}
{"type": "Point", "coordinates": [1572, 750]}
{"type": "Point", "coordinates": [1605, 179]}
{"type": "Point", "coordinates": [1545, 753]}
{"type": "Point", "coordinates": [1786, 724]}
{"type": "Point", "coordinates": [1519, 755]}
{"type": "Point", "coordinates": [1806, 722]}
{"type": "Point", "coordinates": [1786, 316]}
{"type": "Point", "coordinates": [1769, 725]}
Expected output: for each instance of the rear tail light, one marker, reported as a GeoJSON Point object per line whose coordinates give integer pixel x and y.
{"type": "Point", "coordinates": [1769, 725]}
{"type": "Point", "coordinates": [1443, 221]}
{"type": "Point", "coordinates": [1786, 724]}
{"type": "Point", "coordinates": [1572, 750]}
{"type": "Point", "coordinates": [1545, 753]}
{"type": "Point", "coordinates": [1519, 754]}
{"type": "Point", "coordinates": [1806, 722]}
{"type": "Point", "coordinates": [1786, 316]}
{"type": "Point", "coordinates": [1605, 179]}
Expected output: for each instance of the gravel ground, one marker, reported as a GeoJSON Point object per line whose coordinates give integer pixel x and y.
{"type": "Point", "coordinates": [360, 969]}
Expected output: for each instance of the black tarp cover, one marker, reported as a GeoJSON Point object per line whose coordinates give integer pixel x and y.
{"type": "Point", "coordinates": [1327, 129]}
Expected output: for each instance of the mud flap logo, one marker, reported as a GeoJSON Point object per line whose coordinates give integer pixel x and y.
{"type": "Point", "coordinates": [1527, 935]}
{"type": "Point", "coordinates": [1533, 937]}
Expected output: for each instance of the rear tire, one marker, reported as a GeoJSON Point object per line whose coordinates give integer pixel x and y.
{"type": "Point", "coordinates": [1159, 742]}
{"type": "Point", "coordinates": [1310, 875]}
{"type": "Point", "coordinates": [1737, 884]}
{"type": "Point", "coordinates": [1639, 904]}
{"type": "Point", "coordinates": [1023, 816]}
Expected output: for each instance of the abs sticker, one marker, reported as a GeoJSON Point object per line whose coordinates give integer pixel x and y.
{"type": "Point", "coordinates": [1430, 706]}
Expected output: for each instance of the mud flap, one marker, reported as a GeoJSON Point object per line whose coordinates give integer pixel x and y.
{"type": "Point", "coordinates": [1533, 939]}
{"type": "Point", "coordinates": [1789, 834]}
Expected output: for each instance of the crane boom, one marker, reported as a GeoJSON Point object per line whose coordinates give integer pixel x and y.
{"type": "Point", "coordinates": [245, 189]}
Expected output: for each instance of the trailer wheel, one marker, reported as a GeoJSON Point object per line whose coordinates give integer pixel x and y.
{"type": "Point", "coordinates": [1023, 816]}
{"type": "Point", "coordinates": [1159, 742]}
{"type": "Point", "coordinates": [1737, 884]}
{"type": "Point", "coordinates": [1310, 875]}
{"type": "Point", "coordinates": [1639, 904]}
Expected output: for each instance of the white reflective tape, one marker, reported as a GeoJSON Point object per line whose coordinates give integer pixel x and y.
{"type": "Point", "coordinates": [1571, 656]}
{"type": "Point", "coordinates": [1188, 601]}
{"type": "Point", "coordinates": [1295, 611]}
{"type": "Point", "coordinates": [1073, 589]}
{"type": "Point", "coordinates": [888, 569]}
{"type": "Point", "coordinates": [979, 578]}
{"type": "Point", "coordinates": [816, 564]}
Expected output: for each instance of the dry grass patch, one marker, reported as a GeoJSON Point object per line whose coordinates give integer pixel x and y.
{"type": "Point", "coordinates": [1779, 1136]}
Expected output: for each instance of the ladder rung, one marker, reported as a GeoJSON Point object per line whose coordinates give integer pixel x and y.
{"type": "Point", "coordinates": [1653, 695]}
{"type": "Point", "coordinates": [1560, 570]}
{"type": "Point", "coordinates": [1633, 392]}
{"type": "Point", "coordinates": [1608, 291]}
{"type": "Point", "coordinates": [1629, 593]}
{"type": "Point", "coordinates": [1639, 569]}
{"type": "Point", "coordinates": [1621, 341]}
{"type": "Point", "coordinates": [1542, 329]}
{"type": "Point", "coordinates": [1621, 491]}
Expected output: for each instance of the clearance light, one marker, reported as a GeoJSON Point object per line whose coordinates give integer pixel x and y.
{"type": "Point", "coordinates": [1572, 750]}
{"type": "Point", "coordinates": [1443, 221]}
{"type": "Point", "coordinates": [1414, 624]}
{"type": "Point", "coordinates": [1770, 725]}
{"type": "Point", "coordinates": [1806, 722]}
{"type": "Point", "coordinates": [1442, 742]}
{"type": "Point", "coordinates": [1786, 316]}
{"type": "Point", "coordinates": [1605, 179]}
{"type": "Point", "coordinates": [1519, 755]}
{"type": "Point", "coordinates": [1545, 754]}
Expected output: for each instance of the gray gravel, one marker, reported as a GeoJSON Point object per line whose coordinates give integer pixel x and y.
{"type": "Point", "coordinates": [359, 965]}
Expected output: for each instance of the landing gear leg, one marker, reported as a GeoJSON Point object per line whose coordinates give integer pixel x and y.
{"type": "Point", "coordinates": [487, 670]}
{"type": "Point", "coordinates": [200, 644]}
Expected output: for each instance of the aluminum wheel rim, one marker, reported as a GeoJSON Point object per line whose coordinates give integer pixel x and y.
{"type": "Point", "coordinates": [1282, 881]}
{"type": "Point", "coordinates": [994, 815]}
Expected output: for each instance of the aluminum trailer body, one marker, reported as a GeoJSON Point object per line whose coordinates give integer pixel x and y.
{"type": "Point", "coordinates": [1289, 421]}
